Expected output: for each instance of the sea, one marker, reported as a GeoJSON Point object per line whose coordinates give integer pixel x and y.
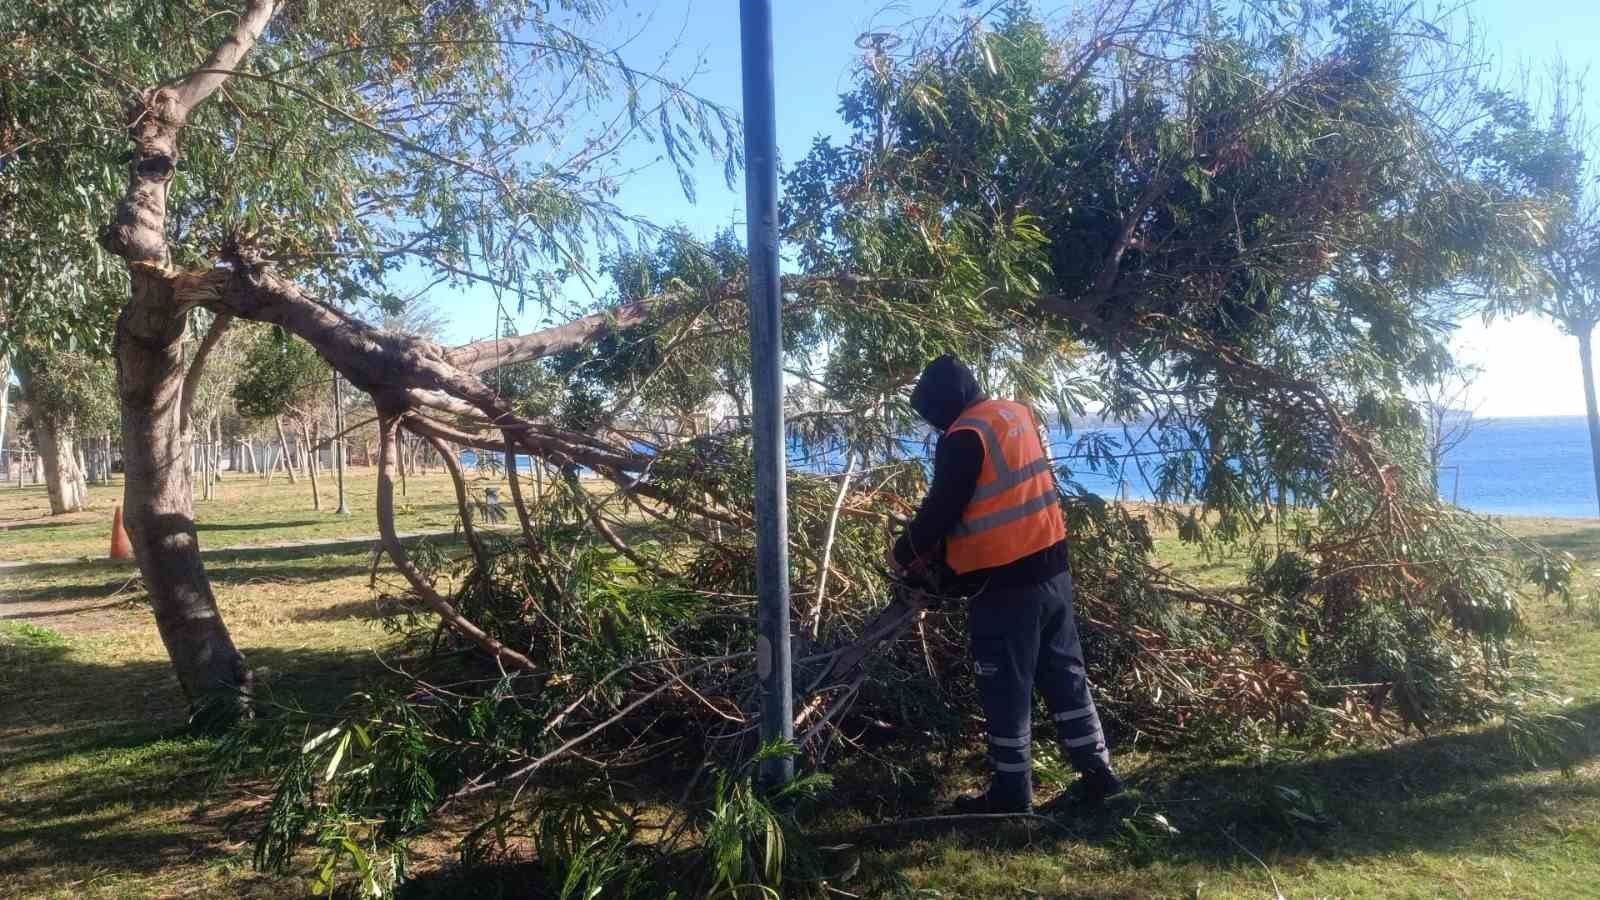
{"type": "Point", "coordinates": [1524, 466]}
{"type": "Point", "coordinates": [1532, 466]}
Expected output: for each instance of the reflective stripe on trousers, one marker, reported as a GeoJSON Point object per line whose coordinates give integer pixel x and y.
{"type": "Point", "coordinates": [1028, 637]}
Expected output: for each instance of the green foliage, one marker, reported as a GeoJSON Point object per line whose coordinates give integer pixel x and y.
{"type": "Point", "coordinates": [1238, 236]}
{"type": "Point", "coordinates": [76, 390]}
{"type": "Point", "coordinates": [748, 840]}
{"type": "Point", "coordinates": [360, 145]}
{"type": "Point", "coordinates": [279, 375]}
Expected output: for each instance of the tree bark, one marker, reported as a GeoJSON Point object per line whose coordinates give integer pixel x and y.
{"type": "Point", "coordinates": [311, 465]}
{"type": "Point", "coordinates": [283, 440]}
{"type": "Point", "coordinates": [207, 471]}
{"type": "Point", "coordinates": [5, 407]}
{"type": "Point", "coordinates": [158, 503]}
{"type": "Point", "coordinates": [216, 451]}
{"type": "Point", "coordinates": [158, 495]}
{"type": "Point", "coordinates": [62, 476]}
{"type": "Point", "coordinates": [1586, 358]}
{"type": "Point", "coordinates": [400, 462]}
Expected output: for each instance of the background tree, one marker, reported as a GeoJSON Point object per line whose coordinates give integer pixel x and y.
{"type": "Point", "coordinates": [1449, 412]}
{"type": "Point", "coordinates": [1540, 141]}
{"type": "Point", "coordinates": [70, 399]}
{"type": "Point", "coordinates": [283, 378]}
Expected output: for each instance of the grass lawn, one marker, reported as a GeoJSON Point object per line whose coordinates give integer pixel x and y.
{"type": "Point", "coordinates": [247, 512]}
{"type": "Point", "coordinates": [101, 790]}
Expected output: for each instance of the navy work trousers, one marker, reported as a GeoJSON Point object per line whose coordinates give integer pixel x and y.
{"type": "Point", "coordinates": [1024, 637]}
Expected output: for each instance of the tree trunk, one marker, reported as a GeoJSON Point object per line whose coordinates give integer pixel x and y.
{"type": "Point", "coordinates": [311, 465]}
{"type": "Point", "coordinates": [400, 463]}
{"type": "Point", "coordinates": [62, 478]}
{"type": "Point", "coordinates": [283, 439]}
{"type": "Point", "coordinates": [216, 451]}
{"type": "Point", "coordinates": [158, 506]}
{"type": "Point", "coordinates": [1586, 357]}
{"type": "Point", "coordinates": [205, 462]}
{"type": "Point", "coordinates": [5, 407]}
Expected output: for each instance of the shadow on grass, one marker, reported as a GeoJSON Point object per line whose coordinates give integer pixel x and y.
{"type": "Point", "coordinates": [338, 612]}
{"type": "Point", "coordinates": [1452, 793]}
{"type": "Point", "coordinates": [98, 767]}
{"type": "Point", "coordinates": [50, 522]}
{"type": "Point", "coordinates": [1448, 793]}
{"type": "Point", "coordinates": [55, 613]}
{"type": "Point", "coordinates": [204, 527]}
{"type": "Point", "coordinates": [94, 578]}
{"type": "Point", "coordinates": [77, 584]}
{"type": "Point", "coordinates": [1579, 540]}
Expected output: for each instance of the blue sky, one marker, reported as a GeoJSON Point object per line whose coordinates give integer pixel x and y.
{"type": "Point", "coordinates": [1529, 368]}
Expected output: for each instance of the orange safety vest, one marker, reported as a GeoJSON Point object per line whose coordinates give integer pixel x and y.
{"type": "Point", "coordinates": [1014, 511]}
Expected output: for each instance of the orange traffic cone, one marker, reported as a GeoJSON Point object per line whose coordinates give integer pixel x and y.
{"type": "Point", "coordinates": [121, 547]}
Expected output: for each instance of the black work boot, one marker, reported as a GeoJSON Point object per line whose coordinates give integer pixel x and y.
{"type": "Point", "coordinates": [1009, 792]}
{"type": "Point", "coordinates": [1088, 793]}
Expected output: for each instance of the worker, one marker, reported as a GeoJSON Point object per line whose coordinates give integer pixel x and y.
{"type": "Point", "coordinates": [993, 512]}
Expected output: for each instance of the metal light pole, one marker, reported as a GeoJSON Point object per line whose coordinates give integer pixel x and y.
{"type": "Point", "coordinates": [766, 380]}
{"type": "Point", "coordinates": [338, 439]}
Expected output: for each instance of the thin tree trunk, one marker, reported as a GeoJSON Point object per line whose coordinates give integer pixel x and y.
{"type": "Point", "coordinates": [5, 406]}
{"type": "Point", "coordinates": [400, 462]}
{"type": "Point", "coordinates": [207, 475]}
{"type": "Point", "coordinates": [283, 439]}
{"type": "Point", "coordinates": [216, 450]}
{"type": "Point", "coordinates": [310, 436]}
{"type": "Point", "coordinates": [1586, 357]}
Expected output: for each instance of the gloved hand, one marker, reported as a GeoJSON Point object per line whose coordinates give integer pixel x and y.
{"type": "Point", "coordinates": [893, 564]}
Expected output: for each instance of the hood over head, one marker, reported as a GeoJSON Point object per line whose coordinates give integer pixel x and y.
{"type": "Point", "coordinates": [945, 389]}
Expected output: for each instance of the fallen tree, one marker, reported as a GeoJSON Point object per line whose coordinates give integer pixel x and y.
{"type": "Point", "coordinates": [1232, 238]}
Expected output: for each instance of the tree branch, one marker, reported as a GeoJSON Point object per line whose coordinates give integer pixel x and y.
{"type": "Point", "coordinates": [402, 561]}
{"type": "Point", "coordinates": [481, 356]}
{"type": "Point", "coordinates": [197, 366]}
{"type": "Point", "coordinates": [200, 84]}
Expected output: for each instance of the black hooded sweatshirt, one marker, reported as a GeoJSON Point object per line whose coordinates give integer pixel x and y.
{"type": "Point", "coordinates": [945, 390]}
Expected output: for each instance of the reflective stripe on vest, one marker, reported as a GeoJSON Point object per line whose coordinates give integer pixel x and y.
{"type": "Point", "coordinates": [1014, 510]}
